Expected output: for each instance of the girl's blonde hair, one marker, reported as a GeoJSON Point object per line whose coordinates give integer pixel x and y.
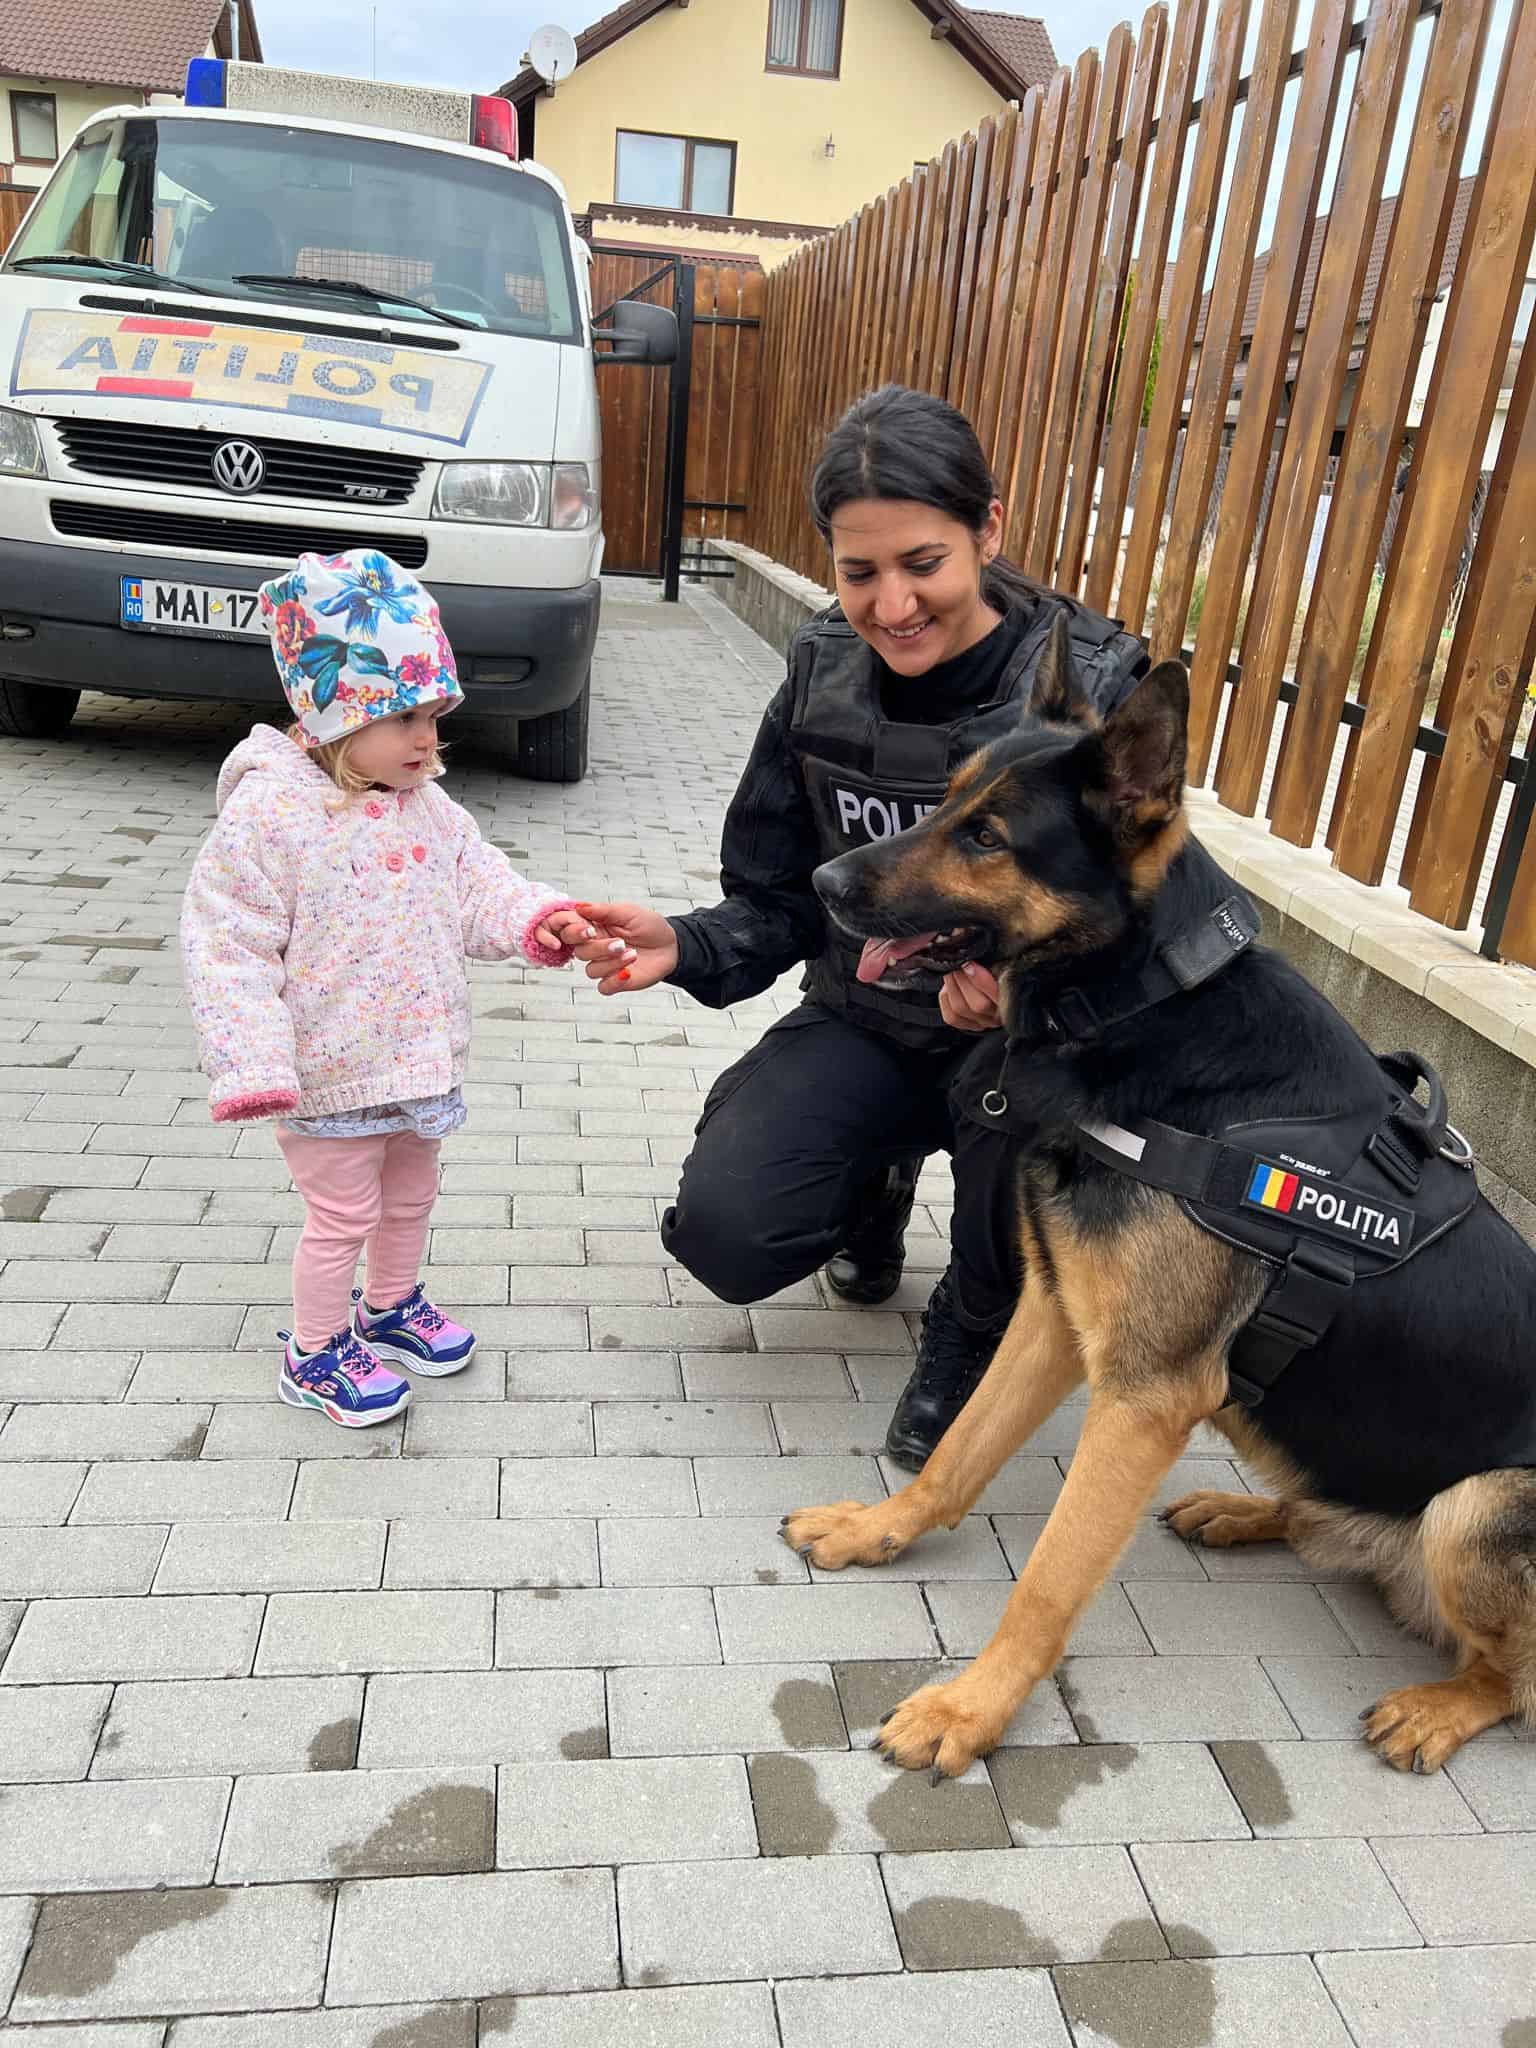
{"type": "Point", "coordinates": [332, 758]}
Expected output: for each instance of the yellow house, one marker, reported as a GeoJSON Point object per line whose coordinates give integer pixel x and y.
{"type": "Point", "coordinates": [741, 128]}
{"type": "Point", "coordinates": [59, 64]}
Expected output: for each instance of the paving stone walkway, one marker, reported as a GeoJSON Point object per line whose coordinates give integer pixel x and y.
{"type": "Point", "coordinates": [516, 1722]}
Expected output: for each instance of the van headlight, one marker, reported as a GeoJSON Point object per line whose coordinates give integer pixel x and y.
{"type": "Point", "coordinates": [21, 452]}
{"type": "Point", "coordinates": [562, 494]}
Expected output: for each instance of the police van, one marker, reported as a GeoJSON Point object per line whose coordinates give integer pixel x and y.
{"type": "Point", "coordinates": [300, 313]}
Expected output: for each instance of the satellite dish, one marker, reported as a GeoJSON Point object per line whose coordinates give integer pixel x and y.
{"type": "Point", "coordinates": [552, 53]}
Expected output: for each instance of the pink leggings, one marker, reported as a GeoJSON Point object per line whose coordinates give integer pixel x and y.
{"type": "Point", "coordinates": [373, 1192]}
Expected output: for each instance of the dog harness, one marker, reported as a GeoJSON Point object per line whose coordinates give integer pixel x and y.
{"type": "Point", "coordinates": [1329, 1202]}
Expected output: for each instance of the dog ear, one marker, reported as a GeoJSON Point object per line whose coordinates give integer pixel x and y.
{"type": "Point", "coordinates": [1144, 741]}
{"type": "Point", "coordinates": [1057, 694]}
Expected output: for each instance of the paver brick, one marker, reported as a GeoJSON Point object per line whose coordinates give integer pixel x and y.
{"type": "Point", "coordinates": [126, 2034]}
{"type": "Point", "coordinates": [337, 1632]}
{"type": "Point", "coordinates": [970, 1551]}
{"type": "Point", "coordinates": [1497, 1782]}
{"type": "Point", "coordinates": [169, 1637]}
{"type": "Point", "coordinates": [683, 1428]}
{"type": "Point", "coordinates": [446, 1719]}
{"type": "Point", "coordinates": [16, 1918]}
{"type": "Point", "coordinates": [404, 2026]}
{"type": "Point", "coordinates": [1154, 1552]}
{"type": "Point", "coordinates": [995, 1908]}
{"type": "Point", "coordinates": [103, 1431]}
{"type": "Point", "coordinates": [923, 2012]}
{"type": "Point", "coordinates": [335, 1489]}
{"type": "Point", "coordinates": [57, 1376]}
{"type": "Point", "coordinates": [79, 1280]}
{"type": "Point", "coordinates": [1434, 1997]}
{"type": "Point", "coordinates": [551, 1627]}
{"type": "Point", "coordinates": [1473, 1888]}
{"type": "Point", "coordinates": [473, 1937]}
{"type": "Point", "coordinates": [1233, 2002]}
{"type": "Point", "coordinates": [504, 1429]}
{"type": "Point", "coordinates": [623, 1811]}
{"type": "Point", "coordinates": [671, 1329]}
{"type": "Point", "coordinates": [38, 1494]}
{"type": "Point", "coordinates": [1026, 1485]}
{"type": "Point", "coordinates": [1278, 1620]}
{"type": "Point", "coordinates": [1324, 1695]}
{"type": "Point", "coordinates": [681, 2016]}
{"type": "Point", "coordinates": [360, 1823]}
{"type": "Point", "coordinates": [496, 1554]}
{"type": "Point", "coordinates": [596, 1375]}
{"type": "Point", "coordinates": [589, 1487]}
{"type": "Point", "coordinates": [269, 1557]}
{"type": "Point", "coordinates": [1337, 1788]}
{"type": "Point", "coordinates": [245, 1431]}
{"type": "Point", "coordinates": [48, 1732]}
{"type": "Point", "coordinates": [967, 1617]}
{"type": "Point", "coordinates": [232, 1726]}
{"type": "Point", "coordinates": [765, 1376]}
{"type": "Point", "coordinates": [797, 1329]}
{"type": "Point", "coordinates": [1173, 1699]}
{"type": "Point", "coordinates": [783, 1624]}
{"type": "Point", "coordinates": [185, 1492]}
{"type": "Point", "coordinates": [695, 1550]}
{"type": "Point", "coordinates": [857, 1803]}
{"type": "Point", "coordinates": [72, 1562]}
{"type": "Point", "coordinates": [1271, 1898]}
{"type": "Point", "coordinates": [831, 1428]}
{"type": "Point", "coordinates": [1115, 1792]}
{"type": "Point", "coordinates": [705, 1710]}
{"type": "Point", "coordinates": [698, 1923]}
{"type": "Point", "coordinates": [81, 1837]}
{"type": "Point", "coordinates": [869, 1691]}
{"type": "Point", "coordinates": [121, 1954]}
{"type": "Point", "coordinates": [774, 1486]}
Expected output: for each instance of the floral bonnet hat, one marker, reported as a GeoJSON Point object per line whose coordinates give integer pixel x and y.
{"type": "Point", "coordinates": [355, 637]}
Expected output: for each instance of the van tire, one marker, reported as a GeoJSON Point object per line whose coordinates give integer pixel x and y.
{"type": "Point", "coordinates": [35, 711]}
{"type": "Point", "coordinates": [554, 748]}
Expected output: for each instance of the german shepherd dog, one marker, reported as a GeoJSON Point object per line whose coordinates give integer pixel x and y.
{"type": "Point", "coordinates": [1058, 850]}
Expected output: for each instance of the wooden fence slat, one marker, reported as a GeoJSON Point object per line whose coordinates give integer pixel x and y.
{"type": "Point", "coordinates": [1045, 328]}
{"type": "Point", "coordinates": [744, 475]}
{"type": "Point", "coordinates": [864, 284]}
{"type": "Point", "coordinates": [1109, 295]}
{"type": "Point", "coordinates": [994, 204]}
{"type": "Point", "coordinates": [929, 289]}
{"type": "Point", "coordinates": [925, 184]}
{"type": "Point", "coordinates": [1367, 470]}
{"type": "Point", "coordinates": [976, 225]}
{"type": "Point", "coordinates": [946, 311]}
{"type": "Point", "coordinates": [1224, 304]}
{"type": "Point", "coordinates": [1484, 691]}
{"type": "Point", "coordinates": [1315, 403]}
{"type": "Point", "coordinates": [890, 308]}
{"type": "Point", "coordinates": [1146, 296]}
{"type": "Point", "coordinates": [1014, 202]}
{"type": "Point", "coordinates": [1027, 275]}
{"type": "Point", "coordinates": [1161, 440]}
{"type": "Point", "coordinates": [1085, 263]}
{"type": "Point", "coordinates": [1431, 530]}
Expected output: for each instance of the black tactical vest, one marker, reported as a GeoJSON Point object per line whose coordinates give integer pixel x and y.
{"type": "Point", "coordinates": [869, 778]}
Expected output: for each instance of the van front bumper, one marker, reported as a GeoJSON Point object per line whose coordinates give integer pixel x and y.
{"type": "Point", "coordinates": [521, 653]}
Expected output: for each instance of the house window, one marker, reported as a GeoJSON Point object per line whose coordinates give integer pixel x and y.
{"type": "Point", "coordinates": [805, 36]}
{"type": "Point", "coordinates": [679, 172]}
{"type": "Point", "coordinates": [34, 127]}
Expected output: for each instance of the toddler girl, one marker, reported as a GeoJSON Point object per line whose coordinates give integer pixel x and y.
{"type": "Point", "coordinates": [324, 933]}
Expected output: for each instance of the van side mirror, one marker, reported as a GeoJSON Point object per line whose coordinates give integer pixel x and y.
{"type": "Point", "coordinates": [640, 333]}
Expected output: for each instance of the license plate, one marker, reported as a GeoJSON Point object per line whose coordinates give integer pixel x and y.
{"type": "Point", "coordinates": [150, 606]}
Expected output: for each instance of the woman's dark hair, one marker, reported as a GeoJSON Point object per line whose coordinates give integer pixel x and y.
{"type": "Point", "coordinates": [909, 445]}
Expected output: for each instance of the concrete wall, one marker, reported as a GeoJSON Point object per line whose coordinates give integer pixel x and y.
{"type": "Point", "coordinates": [1403, 982]}
{"type": "Point", "coordinates": [700, 71]}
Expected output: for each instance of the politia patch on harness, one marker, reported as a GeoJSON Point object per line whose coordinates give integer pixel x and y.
{"type": "Point", "coordinates": [1312, 1202]}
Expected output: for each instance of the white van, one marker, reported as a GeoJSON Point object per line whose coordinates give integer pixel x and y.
{"type": "Point", "coordinates": [300, 313]}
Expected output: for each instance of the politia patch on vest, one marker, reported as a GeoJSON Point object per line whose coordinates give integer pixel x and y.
{"type": "Point", "coordinates": [1331, 1209]}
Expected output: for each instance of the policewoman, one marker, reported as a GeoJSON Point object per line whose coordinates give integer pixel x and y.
{"type": "Point", "coordinates": [808, 1149]}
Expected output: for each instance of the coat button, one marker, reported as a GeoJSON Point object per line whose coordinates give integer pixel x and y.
{"type": "Point", "coordinates": [374, 810]}
{"type": "Point", "coordinates": [418, 853]}
{"type": "Point", "coordinates": [394, 862]}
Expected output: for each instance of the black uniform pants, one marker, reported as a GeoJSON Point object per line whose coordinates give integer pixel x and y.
{"type": "Point", "coordinates": [793, 1131]}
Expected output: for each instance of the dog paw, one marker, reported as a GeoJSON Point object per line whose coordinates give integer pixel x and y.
{"type": "Point", "coordinates": [943, 1729]}
{"type": "Point", "coordinates": [848, 1533]}
{"type": "Point", "coordinates": [1222, 1519]}
{"type": "Point", "coordinates": [1421, 1727]}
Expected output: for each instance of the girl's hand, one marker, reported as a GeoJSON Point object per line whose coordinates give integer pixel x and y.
{"type": "Point", "coordinates": [564, 930]}
{"type": "Point", "coordinates": [633, 948]}
{"type": "Point", "coordinates": [968, 1000]}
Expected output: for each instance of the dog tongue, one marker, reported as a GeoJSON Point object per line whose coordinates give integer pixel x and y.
{"type": "Point", "coordinates": [879, 954]}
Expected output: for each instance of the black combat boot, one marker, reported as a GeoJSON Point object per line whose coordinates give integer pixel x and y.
{"type": "Point", "coordinates": [950, 1361]}
{"type": "Point", "coordinates": [868, 1268]}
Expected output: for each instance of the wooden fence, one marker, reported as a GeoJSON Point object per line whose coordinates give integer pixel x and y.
{"type": "Point", "coordinates": [1038, 270]}
{"type": "Point", "coordinates": [722, 411]}
{"type": "Point", "coordinates": [14, 201]}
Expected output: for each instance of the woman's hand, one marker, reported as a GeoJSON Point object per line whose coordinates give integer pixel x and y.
{"type": "Point", "coordinates": [968, 1000]}
{"type": "Point", "coordinates": [634, 948]}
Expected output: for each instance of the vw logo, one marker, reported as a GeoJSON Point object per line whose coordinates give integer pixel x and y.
{"type": "Point", "coordinates": [238, 467]}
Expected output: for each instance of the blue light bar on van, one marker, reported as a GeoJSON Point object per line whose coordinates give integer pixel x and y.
{"type": "Point", "coordinates": [205, 82]}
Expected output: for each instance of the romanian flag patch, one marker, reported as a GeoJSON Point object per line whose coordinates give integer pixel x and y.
{"type": "Point", "coordinates": [1271, 1189]}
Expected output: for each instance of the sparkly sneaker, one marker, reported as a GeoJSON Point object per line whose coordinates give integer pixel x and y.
{"type": "Point", "coordinates": [415, 1335]}
{"type": "Point", "coordinates": [343, 1380]}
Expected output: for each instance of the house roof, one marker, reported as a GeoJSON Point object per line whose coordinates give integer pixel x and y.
{"type": "Point", "coordinates": [143, 43]}
{"type": "Point", "coordinates": [1022, 40]}
{"type": "Point", "coordinates": [993, 43]}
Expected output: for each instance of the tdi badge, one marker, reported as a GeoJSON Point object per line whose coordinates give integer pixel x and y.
{"type": "Point", "coordinates": [1330, 1208]}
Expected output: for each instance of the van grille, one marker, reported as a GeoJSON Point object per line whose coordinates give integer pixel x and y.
{"type": "Point", "coordinates": [147, 529]}
{"type": "Point", "coordinates": [137, 453]}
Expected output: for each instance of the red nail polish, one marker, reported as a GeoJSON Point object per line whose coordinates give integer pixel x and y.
{"type": "Point", "coordinates": [624, 974]}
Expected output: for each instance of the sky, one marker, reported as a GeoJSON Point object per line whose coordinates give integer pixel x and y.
{"type": "Point", "coordinates": [490, 36]}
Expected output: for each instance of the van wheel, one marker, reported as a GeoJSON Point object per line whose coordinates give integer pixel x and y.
{"type": "Point", "coordinates": [554, 748]}
{"type": "Point", "coordinates": [35, 711]}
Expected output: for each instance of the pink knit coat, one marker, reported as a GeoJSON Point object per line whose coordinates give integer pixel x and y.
{"type": "Point", "coordinates": [324, 943]}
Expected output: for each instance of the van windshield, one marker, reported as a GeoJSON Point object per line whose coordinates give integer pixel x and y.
{"type": "Point", "coordinates": [207, 203]}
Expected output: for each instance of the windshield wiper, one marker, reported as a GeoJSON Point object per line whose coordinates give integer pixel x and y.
{"type": "Point", "coordinates": [115, 266]}
{"type": "Point", "coordinates": [349, 288]}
